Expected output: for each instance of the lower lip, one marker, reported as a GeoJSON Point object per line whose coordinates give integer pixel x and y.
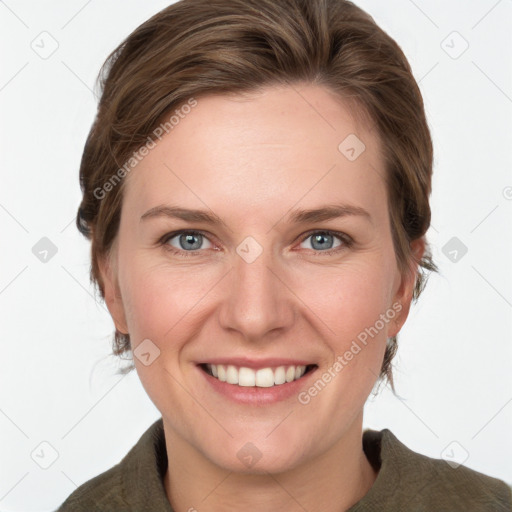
{"type": "Point", "coordinates": [255, 395]}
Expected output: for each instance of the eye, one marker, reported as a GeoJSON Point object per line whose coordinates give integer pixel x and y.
{"type": "Point", "coordinates": [185, 241]}
{"type": "Point", "coordinates": [322, 241]}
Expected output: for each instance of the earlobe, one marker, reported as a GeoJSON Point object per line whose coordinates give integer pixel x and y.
{"type": "Point", "coordinates": [112, 293]}
{"type": "Point", "coordinates": [418, 249]}
{"type": "Point", "coordinates": [405, 291]}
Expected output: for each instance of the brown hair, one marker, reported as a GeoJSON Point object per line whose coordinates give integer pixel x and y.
{"type": "Point", "coordinates": [200, 47]}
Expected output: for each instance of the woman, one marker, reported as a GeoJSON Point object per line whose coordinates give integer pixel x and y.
{"type": "Point", "coordinates": [256, 190]}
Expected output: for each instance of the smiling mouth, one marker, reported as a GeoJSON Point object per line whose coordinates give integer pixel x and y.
{"type": "Point", "coordinates": [262, 378]}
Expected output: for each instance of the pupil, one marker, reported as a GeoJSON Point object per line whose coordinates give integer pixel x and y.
{"type": "Point", "coordinates": [319, 238]}
{"type": "Point", "coordinates": [190, 241]}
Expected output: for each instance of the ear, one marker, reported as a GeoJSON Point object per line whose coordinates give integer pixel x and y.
{"type": "Point", "coordinates": [112, 292]}
{"type": "Point", "coordinates": [406, 286]}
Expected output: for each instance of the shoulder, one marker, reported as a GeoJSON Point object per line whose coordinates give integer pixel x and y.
{"type": "Point", "coordinates": [100, 493]}
{"type": "Point", "coordinates": [129, 485]}
{"type": "Point", "coordinates": [417, 482]}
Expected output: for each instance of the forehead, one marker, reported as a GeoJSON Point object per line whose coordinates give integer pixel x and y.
{"type": "Point", "coordinates": [275, 146]}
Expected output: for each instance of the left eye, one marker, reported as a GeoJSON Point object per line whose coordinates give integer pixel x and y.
{"type": "Point", "coordinates": [322, 240]}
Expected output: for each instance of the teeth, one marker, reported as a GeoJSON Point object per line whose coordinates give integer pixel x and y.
{"type": "Point", "coordinates": [280, 375]}
{"type": "Point", "coordinates": [231, 375]}
{"type": "Point", "coordinates": [265, 378]}
{"type": "Point", "coordinates": [221, 373]}
{"type": "Point", "coordinates": [262, 378]}
{"type": "Point", "coordinates": [246, 377]}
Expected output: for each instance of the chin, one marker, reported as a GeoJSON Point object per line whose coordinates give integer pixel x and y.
{"type": "Point", "coordinates": [253, 460]}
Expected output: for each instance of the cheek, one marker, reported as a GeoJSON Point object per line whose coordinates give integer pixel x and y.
{"type": "Point", "coordinates": [353, 304]}
{"type": "Point", "coordinates": [161, 301]}
{"type": "Point", "coordinates": [348, 299]}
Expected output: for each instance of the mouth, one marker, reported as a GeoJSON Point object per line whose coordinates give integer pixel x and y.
{"type": "Point", "coordinates": [267, 377]}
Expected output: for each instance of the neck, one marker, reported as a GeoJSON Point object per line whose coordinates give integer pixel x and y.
{"type": "Point", "coordinates": [331, 482]}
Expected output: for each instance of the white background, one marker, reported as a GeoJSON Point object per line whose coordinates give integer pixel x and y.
{"type": "Point", "coordinates": [57, 381]}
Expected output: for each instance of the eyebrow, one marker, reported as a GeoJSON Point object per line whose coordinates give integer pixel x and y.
{"type": "Point", "coordinates": [327, 213]}
{"type": "Point", "coordinates": [322, 214]}
{"type": "Point", "coordinates": [183, 214]}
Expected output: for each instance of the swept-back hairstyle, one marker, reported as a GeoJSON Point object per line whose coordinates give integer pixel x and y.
{"type": "Point", "coordinates": [200, 47]}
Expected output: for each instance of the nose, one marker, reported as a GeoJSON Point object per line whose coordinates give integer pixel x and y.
{"type": "Point", "coordinates": [258, 302]}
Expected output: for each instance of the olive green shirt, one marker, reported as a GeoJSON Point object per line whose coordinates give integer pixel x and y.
{"type": "Point", "coordinates": [407, 481]}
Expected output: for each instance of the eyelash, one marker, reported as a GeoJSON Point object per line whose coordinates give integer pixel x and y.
{"type": "Point", "coordinates": [347, 242]}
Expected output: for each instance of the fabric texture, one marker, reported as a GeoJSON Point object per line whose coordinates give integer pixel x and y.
{"type": "Point", "coordinates": [407, 481]}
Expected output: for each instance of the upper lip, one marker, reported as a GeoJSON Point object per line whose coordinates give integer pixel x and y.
{"type": "Point", "coordinates": [257, 363]}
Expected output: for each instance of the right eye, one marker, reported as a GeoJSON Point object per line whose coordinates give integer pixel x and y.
{"type": "Point", "coordinates": [185, 241]}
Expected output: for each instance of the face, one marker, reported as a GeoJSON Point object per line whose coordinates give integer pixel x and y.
{"type": "Point", "coordinates": [295, 306]}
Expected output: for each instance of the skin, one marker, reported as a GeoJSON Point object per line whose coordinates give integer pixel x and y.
{"type": "Point", "coordinates": [250, 160]}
